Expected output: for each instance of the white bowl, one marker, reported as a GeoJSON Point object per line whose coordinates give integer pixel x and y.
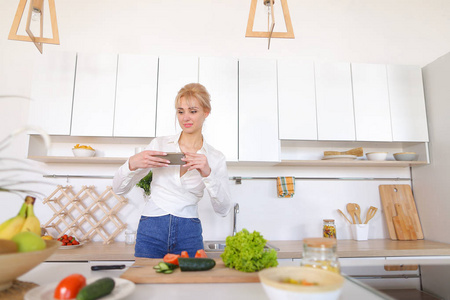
{"type": "Point", "coordinates": [329, 284]}
{"type": "Point", "coordinates": [79, 152]}
{"type": "Point", "coordinates": [376, 155]}
{"type": "Point", "coordinates": [406, 156]}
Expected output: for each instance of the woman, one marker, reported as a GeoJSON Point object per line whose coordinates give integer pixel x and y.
{"type": "Point", "coordinates": [169, 222]}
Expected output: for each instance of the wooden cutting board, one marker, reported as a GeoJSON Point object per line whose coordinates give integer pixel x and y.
{"type": "Point", "coordinates": [399, 194]}
{"type": "Point", "coordinates": [219, 274]}
{"type": "Point", "coordinates": [403, 225]}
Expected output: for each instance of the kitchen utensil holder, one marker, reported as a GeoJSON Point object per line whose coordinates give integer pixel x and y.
{"type": "Point", "coordinates": [85, 214]}
{"type": "Point", "coordinates": [360, 232]}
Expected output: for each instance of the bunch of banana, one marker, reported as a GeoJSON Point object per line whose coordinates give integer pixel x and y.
{"type": "Point", "coordinates": [24, 221]}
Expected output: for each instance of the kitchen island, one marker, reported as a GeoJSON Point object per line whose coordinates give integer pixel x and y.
{"type": "Point", "coordinates": [50, 273]}
{"type": "Point", "coordinates": [378, 252]}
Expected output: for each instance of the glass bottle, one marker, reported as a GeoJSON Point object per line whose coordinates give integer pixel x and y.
{"type": "Point", "coordinates": [329, 228]}
{"type": "Point", "coordinates": [320, 253]}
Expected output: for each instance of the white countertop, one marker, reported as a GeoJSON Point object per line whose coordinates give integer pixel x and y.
{"type": "Point", "coordinates": [53, 272]}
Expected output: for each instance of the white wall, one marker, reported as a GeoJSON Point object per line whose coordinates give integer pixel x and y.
{"type": "Point", "coordinates": [377, 31]}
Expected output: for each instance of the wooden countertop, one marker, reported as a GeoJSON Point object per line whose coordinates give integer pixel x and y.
{"type": "Point", "coordinates": [119, 251]}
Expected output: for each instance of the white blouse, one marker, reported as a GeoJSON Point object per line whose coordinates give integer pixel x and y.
{"type": "Point", "coordinates": [172, 194]}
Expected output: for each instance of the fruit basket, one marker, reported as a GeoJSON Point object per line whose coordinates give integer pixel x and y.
{"type": "Point", "coordinates": [14, 265]}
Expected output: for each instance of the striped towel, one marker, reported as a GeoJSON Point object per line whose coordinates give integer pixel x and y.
{"type": "Point", "coordinates": [285, 187]}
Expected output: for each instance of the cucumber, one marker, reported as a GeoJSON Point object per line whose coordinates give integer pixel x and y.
{"type": "Point", "coordinates": [196, 264]}
{"type": "Point", "coordinates": [96, 289]}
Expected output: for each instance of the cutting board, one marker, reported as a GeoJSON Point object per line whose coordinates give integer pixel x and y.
{"type": "Point", "coordinates": [403, 225]}
{"type": "Point", "coordinates": [219, 274]}
{"type": "Point", "coordinates": [399, 194]}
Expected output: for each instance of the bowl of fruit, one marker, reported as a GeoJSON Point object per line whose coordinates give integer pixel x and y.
{"type": "Point", "coordinates": [83, 151]}
{"type": "Point", "coordinates": [301, 283]}
{"type": "Point", "coordinates": [22, 253]}
{"type": "Point", "coordinates": [69, 242]}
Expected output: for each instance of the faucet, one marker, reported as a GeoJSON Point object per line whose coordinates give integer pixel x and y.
{"type": "Point", "coordinates": [236, 211]}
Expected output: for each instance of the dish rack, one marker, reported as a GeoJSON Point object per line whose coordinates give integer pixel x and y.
{"type": "Point", "coordinates": [86, 214]}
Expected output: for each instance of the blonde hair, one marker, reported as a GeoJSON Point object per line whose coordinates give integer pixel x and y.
{"type": "Point", "coordinates": [197, 91]}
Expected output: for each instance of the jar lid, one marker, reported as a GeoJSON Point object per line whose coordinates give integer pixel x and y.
{"type": "Point", "coordinates": [328, 220]}
{"type": "Point", "coordinates": [320, 242]}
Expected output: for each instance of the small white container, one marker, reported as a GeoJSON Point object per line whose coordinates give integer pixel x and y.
{"type": "Point", "coordinates": [360, 232]}
{"type": "Point", "coordinates": [376, 155]}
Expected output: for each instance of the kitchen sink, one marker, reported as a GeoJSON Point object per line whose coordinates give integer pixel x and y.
{"type": "Point", "coordinates": [219, 246]}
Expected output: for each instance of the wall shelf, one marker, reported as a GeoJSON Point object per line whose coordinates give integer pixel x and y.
{"type": "Point", "coordinates": [80, 160]}
{"type": "Point", "coordinates": [312, 163]}
{"type": "Point", "coordinates": [351, 163]}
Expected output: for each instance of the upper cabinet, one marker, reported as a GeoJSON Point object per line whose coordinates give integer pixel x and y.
{"type": "Point", "coordinates": [174, 73]}
{"type": "Point", "coordinates": [258, 118]}
{"type": "Point", "coordinates": [220, 77]}
{"type": "Point", "coordinates": [407, 103]}
{"type": "Point", "coordinates": [335, 116]}
{"type": "Point", "coordinates": [296, 100]}
{"type": "Point", "coordinates": [371, 103]}
{"type": "Point", "coordinates": [52, 91]}
{"type": "Point", "coordinates": [137, 85]}
{"type": "Point", "coordinates": [94, 95]}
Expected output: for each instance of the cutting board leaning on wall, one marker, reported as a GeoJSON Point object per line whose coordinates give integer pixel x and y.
{"type": "Point", "coordinates": [407, 225]}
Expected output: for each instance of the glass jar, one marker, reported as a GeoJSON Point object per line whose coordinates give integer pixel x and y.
{"type": "Point", "coordinates": [320, 253]}
{"type": "Point", "coordinates": [329, 228]}
{"type": "Point", "coordinates": [130, 237]}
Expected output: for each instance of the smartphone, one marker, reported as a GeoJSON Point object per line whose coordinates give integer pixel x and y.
{"type": "Point", "coordinates": [175, 158]}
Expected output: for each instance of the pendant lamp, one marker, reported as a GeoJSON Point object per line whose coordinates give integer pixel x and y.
{"type": "Point", "coordinates": [35, 15]}
{"type": "Point", "coordinates": [270, 33]}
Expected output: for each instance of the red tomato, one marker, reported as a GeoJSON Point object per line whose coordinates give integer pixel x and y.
{"type": "Point", "coordinates": [171, 258]}
{"type": "Point", "coordinates": [69, 287]}
{"type": "Point", "coordinates": [201, 253]}
{"type": "Point", "coordinates": [184, 254]}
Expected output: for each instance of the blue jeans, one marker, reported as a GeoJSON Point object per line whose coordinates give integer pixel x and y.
{"type": "Point", "coordinates": [157, 236]}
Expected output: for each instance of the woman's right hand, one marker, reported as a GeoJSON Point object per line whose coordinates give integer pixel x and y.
{"type": "Point", "coordinates": [147, 159]}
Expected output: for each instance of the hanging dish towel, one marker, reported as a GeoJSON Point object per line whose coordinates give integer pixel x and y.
{"type": "Point", "coordinates": [285, 187]}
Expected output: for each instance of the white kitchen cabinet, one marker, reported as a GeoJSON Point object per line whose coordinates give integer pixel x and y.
{"type": "Point", "coordinates": [220, 77]}
{"type": "Point", "coordinates": [52, 92]}
{"type": "Point", "coordinates": [137, 84]}
{"type": "Point", "coordinates": [371, 103]}
{"type": "Point", "coordinates": [335, 117]}
{"type": "Point", "coordinates": [94, 95]}
{"type": "Point", "coordinates": [407, 102]}
{"type": "Point", "coordinates": [258, 117]}
{"type": "Point", "coordinates": [174, 73]}
{"type": "Point", "coordinates": [296, 100]}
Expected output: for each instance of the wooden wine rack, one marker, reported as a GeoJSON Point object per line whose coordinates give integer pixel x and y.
{"type": "Point", "coordinates": [85, 214]}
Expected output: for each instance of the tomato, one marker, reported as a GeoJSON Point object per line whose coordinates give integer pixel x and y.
{"type": "Point", "coordinates": [201, 253]}
{"type": "Point", "coordinates": [171, 258]}
{"type": "Point", "coordinates": [69, 287]}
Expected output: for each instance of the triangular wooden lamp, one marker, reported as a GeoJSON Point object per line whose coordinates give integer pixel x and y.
{"type": "Point", "coordinates": [270, 33]}
{"type": "Point", "coordinates": [37, 7]}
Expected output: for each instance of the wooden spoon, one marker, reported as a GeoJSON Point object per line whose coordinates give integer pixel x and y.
{"type": "Point", "coordinates": [358, 212]}
{"type": "Point", "coordinates": [370, 213]}
{"type": "Point", "coordinates": [351, 210]}
{"type": "Point", "coordinates": [340, 211]}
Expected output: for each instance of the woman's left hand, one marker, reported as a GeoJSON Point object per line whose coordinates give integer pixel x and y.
{"type": "Point", "coordinates": [199, 162]}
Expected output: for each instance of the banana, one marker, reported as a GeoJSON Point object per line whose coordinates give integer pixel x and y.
{"type": "Point", "coordinates": [31, 222]}
{"type": "Point", "coordinates": [12, 226]}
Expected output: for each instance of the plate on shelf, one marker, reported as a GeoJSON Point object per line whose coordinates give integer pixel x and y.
{"type": "Point", "coordinates": [122, 289]}
{"type": "Point", "coordinates": [71, 246]}
{"type": "Point", "coordinates": [339, 157]}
